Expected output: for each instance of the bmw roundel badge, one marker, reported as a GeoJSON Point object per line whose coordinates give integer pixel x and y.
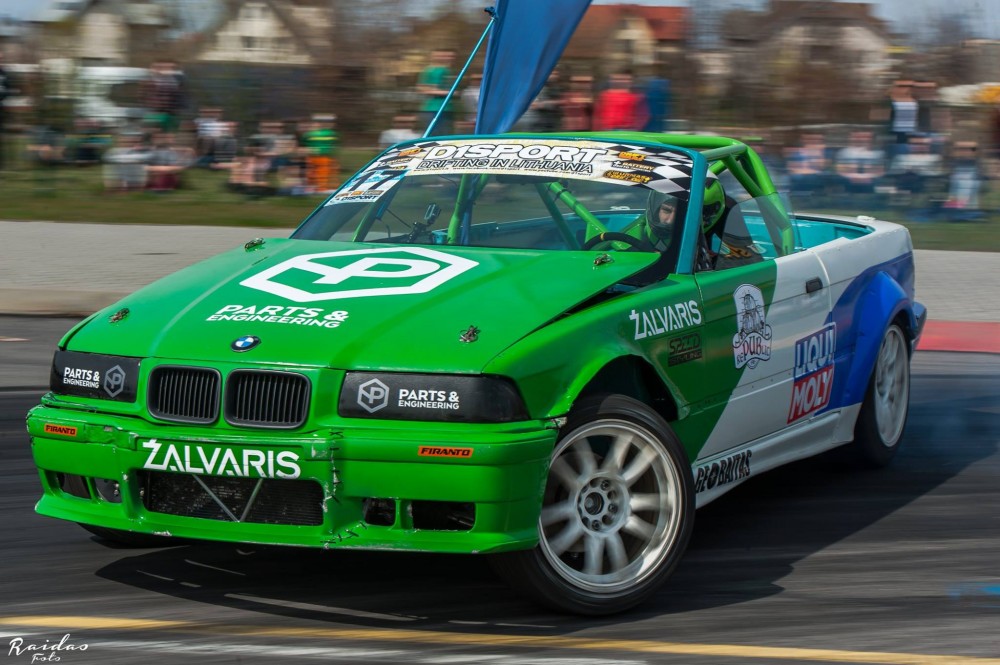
{"type": "Point", "coordinates": [244, 343]}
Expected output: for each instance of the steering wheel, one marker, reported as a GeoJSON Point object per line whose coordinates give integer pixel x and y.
{"type": "Point", "coordinates": [612, 236]}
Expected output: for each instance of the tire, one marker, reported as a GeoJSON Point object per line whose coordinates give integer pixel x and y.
{"type": "Point", "coordinates": [616, 514]}
{"type": "Point", "coordinates": [879, 429]}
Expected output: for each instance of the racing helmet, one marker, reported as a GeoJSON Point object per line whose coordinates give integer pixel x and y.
{"type": "Point", "coordinates": [653, 203]}
{"type": "Point", "coordinates": [713, 205]}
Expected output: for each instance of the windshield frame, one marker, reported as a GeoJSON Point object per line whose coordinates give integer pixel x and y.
{"type": "Point", "coordinates": [709, 155]}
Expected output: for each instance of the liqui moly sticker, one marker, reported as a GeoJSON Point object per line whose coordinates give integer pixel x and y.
{"type": "Point", "coordinates": [813, 372]}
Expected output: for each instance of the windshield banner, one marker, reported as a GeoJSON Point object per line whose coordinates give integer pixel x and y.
{"type": "Point", "coordinates": [664, 170]}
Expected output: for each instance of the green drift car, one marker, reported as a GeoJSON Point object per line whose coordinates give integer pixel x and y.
{"type": "Point", "coordinates": [549, 349]}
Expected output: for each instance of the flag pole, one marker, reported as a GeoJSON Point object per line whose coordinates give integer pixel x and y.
{"type": "Point", "coordinates": [489, 26]}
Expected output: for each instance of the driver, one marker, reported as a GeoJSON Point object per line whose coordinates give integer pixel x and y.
{"type": "Point", "coordinates": [655, 229]}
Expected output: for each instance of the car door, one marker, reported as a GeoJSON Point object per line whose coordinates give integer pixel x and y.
{"type": "Point", "coordinates": [760, 303]}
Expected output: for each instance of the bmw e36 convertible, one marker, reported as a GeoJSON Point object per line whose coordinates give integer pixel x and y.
{"type": "Point", "coordinates": [550, 349]}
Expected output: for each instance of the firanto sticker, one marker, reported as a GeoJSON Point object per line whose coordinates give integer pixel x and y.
{"type": "Point", "coordinates": [61, 430]}
{"type": "Point", "coordinates": [212, 461]}
{"type": "Point", "coordinates": [813, 373]}
{"type": "Point", "coordinates": [752, 342]}
{"type": "Point", "coordinates": [661, 320]}
{"type": "Point", "coordinates": [440, 451]}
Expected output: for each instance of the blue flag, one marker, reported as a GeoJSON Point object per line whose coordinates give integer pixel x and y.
{"type": "Point", "coordinates": [527, 39]}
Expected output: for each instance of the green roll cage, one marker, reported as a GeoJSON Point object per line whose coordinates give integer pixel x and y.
{"type": "Point", "coordinates": [716, 154]}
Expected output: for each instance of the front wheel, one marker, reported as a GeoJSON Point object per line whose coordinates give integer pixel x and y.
{"type": "Point", "coordinates": [616, 514]}
{"type": "Point", "coordinates": [879, 429]}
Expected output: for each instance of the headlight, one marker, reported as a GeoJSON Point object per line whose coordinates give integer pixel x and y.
{"type": "Point", "coordinates": [435, 397]}
{"type": "Point", "coordinates": [94, 375]}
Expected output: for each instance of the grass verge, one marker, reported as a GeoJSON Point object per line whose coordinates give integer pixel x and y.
{"type": "Point", "coordinates": [76, 194]}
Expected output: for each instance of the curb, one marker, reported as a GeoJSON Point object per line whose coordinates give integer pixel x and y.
{"type": "Point", "coordinates": [960, 336]}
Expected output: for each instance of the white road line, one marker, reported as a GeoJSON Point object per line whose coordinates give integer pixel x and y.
{"type": "Point", "coordinates": [159, 577]}
{"type": "Point", "coordinates": [221, 570]}
{"type": "Point", "coordinates": [320, 608]}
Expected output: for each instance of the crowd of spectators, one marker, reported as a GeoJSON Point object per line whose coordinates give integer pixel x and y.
{"type": "Point", "coordinates": [156, 151]}
{"type": "Point", "coordinates": [931, 176]}
{"type": "Point", "coordinates": [277, 158]}
{"type": "Point", "coordinates": [904, 156]}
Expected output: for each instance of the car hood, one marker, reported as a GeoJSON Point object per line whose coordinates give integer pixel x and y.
{"type": "Point", "coordinates": [354, 306]}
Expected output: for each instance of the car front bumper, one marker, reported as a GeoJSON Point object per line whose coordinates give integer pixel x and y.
{"type": "Point", "coordinates": [392, 485]}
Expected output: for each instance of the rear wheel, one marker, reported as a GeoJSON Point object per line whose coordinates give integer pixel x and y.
{"type": "Point", "coordinates": [616, 514]}
{"type": "Point", "coordinates": [880, 425]}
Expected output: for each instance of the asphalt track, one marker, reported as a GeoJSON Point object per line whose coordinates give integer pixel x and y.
{"type": "Point", "coordinates": [811, 563]}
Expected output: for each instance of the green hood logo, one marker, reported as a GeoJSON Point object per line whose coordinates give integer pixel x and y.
{"type": "Point", "coordinates": [359, 273]}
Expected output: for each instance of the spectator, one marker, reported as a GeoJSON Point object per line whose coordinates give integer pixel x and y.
{"type": "Point", "coordinates": [320, 142]}
{"type": "Point", "coordinates": [860, 165]}
{"type": "Point", "coordinates": [125, 164]}
{"type": "Point", "coordinates": [578, 105]}
{"type": "Point", "coordinates": [291, 179]}
{"type": "Point", "coordinates": [249, 172]}
{"type": "Point", "coordinates": [163, 96]}
{"type": "Point", "coordinates": [434, 84]}
{"type": "Point", "coordinates": [657, 93]}
{"type": "Point", "coordinates": [964, 181]}
{"type": "Point", "coordinates": [619, 107]}
{"type": "Point", "coordinates": [45, 146]}
{"type": "Point", "coordinates": [548, 105]}
{"type": "Point", "coordinates": [274, 144]}
{"type": "Point", "coordinates": [932, 116]}
{"type": "Point", "coordinates": [224, 146]}
{"type": "Point", "coordinates": [88, 142]}
{"type": "Point", "coordinates": [470, 102]}
{"type": "Point", "coordinates": [917, 168]}
{"type": "Point", "coordinates": [166, 162]}
{"type": "Point", "coordinates": [809, 166]}
{"type": "Point", "coordinates": [208, 128]}
{"type": "Point", "coordinates": [902, 115]}
{"type": "Point", "coordinates": [401, 130]}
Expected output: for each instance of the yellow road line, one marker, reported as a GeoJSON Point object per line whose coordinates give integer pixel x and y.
{"type": "Point", "coordinates": [486, 640]}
